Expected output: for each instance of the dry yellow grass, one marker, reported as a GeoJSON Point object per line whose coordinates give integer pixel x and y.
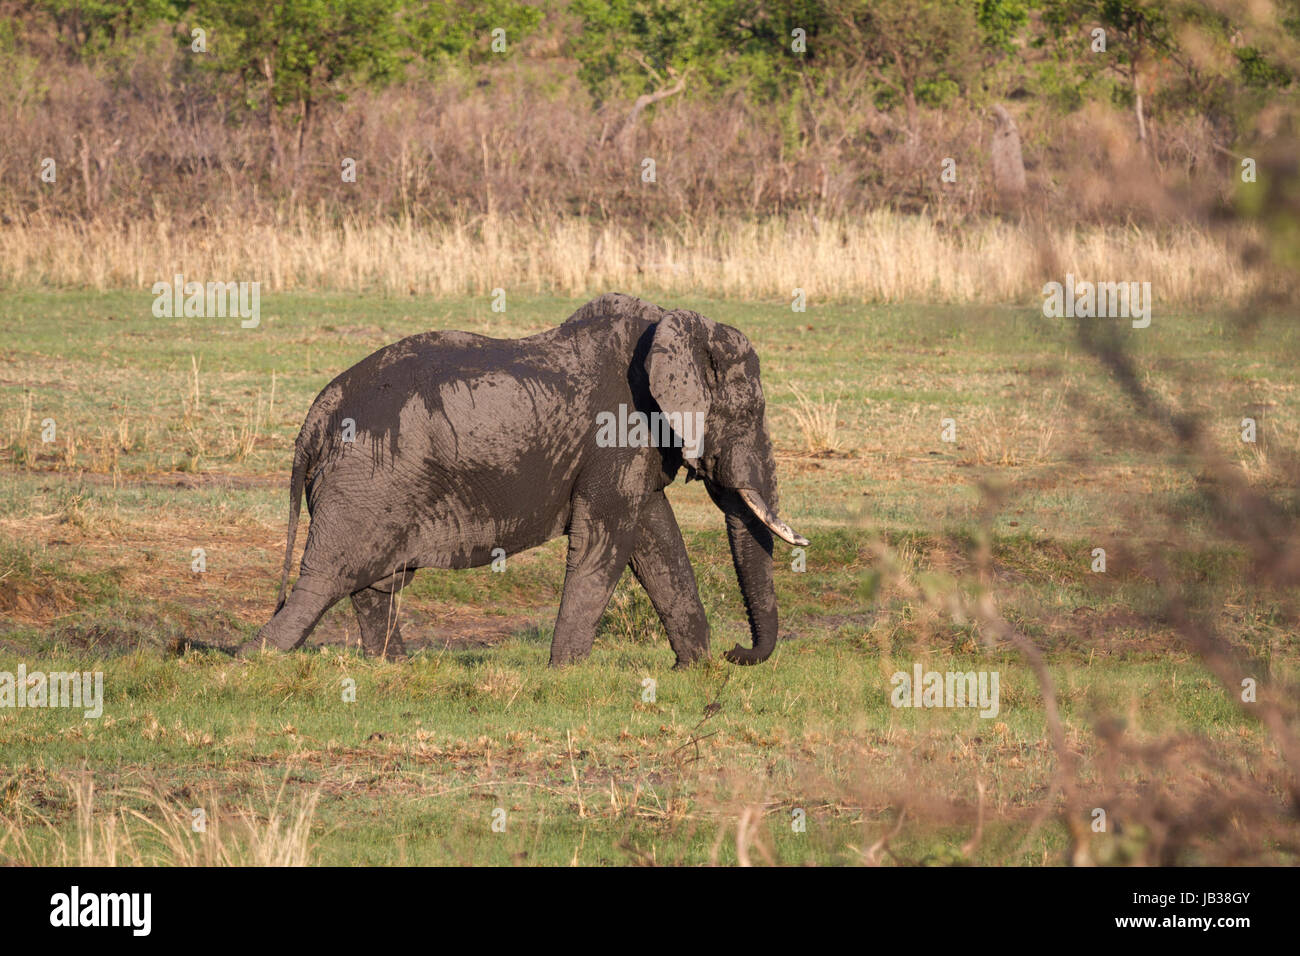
{"type": "Point", "coordinates": [165, 834]}
{"type": "Point", "coordinates": [818, 421]}
{"type": "Point", "coordinates": [1023, 437]}
{"type": "Point", "coordinates": [1263, 461]}
{"type": "Point", "coordinates": [884, 257]}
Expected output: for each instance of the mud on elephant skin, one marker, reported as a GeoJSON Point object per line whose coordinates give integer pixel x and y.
{"type": "Point", "coordinates": [440, 448]}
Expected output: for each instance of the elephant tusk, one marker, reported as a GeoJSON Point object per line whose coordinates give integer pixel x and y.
{"type": "Point", "coordinates": [774, 524]}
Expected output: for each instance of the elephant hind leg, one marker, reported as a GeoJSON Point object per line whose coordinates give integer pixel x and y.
{"type": "Point", "coordinates": [376, 607]}
{"type": "Point", "coordinates": [289, 628]}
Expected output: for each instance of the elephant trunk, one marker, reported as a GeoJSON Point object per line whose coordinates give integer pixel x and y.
{"type": "Point", "coordinates": [751, 553]}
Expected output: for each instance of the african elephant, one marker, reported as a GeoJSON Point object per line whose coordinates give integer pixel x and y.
{"type": "Point", "coordinates": [441, 448]}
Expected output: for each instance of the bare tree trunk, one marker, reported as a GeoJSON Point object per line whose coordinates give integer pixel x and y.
{"type": "Point", "coordinates": [1137, 88]}
{"type": "Point", "coordinates": [913, 118]}
{"type": "Point", "coordinates": [1137, 108]}
{"type": "Point", "coordinates": [624, 135]}
{"type": "Point", "coordinates": [85, 173]}
{"type": "Point", "coordinates": [304, 120]}
{"type": "Point", "coordinates": [277, 155]}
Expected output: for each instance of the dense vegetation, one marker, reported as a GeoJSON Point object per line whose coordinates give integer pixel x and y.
{"type": "Point", "coordinates": [749, 107]}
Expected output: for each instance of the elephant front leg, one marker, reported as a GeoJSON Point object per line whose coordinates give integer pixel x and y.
{"type": "Point", "coordinates": [661, 564]}
{"type": "Point", "coordinates": [598, 553]}
{"type": "Point", "coordinates": [376, 607]}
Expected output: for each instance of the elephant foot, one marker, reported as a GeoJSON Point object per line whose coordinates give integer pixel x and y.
{"type": "Point", "coordinates": [690, 654]}
{"type": "Point", "coordinates": [563, 656]}
{"type": "Point", "coordinates": [265, 641]}
{"type": "Point", "coordinates": [252, 648]}
{"type": "Point", "coordinates": [393, 651]}
{"type": "Point", "coordinates": [386, 644]}
{"type": "Point", "coordinates": [381, 633]}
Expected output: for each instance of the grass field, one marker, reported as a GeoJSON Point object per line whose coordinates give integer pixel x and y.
{"type": "Point", "coordinates": [171, 435]}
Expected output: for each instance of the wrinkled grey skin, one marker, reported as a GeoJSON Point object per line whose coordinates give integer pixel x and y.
{"type": "Point", "coordinates": [464, 444]}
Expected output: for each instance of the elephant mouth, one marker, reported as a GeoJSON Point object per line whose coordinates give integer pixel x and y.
{"type": "Point", "coordinates": [769, 517]}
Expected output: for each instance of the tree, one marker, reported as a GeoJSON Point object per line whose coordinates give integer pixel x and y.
{"type": "Point", "coordinates": [442, 29]}
{"type": "Point", "coordinates": [91, 26]}
{"type": "Point", "coordinates": [919, 51]}
{"type": "Point", "coordinates": [1199, 52]}
{"type": "Point", "coordinates": [291, 55]}
{"type": "Point", "coordinates": [634, 48]}
{"type": "Point", "coordinates": [1136, 31]}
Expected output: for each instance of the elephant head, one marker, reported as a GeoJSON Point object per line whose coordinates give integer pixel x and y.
{"type": "Point", "coordinates": [708, 371]}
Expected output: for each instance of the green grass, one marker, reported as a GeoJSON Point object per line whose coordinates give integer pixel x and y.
{"type": "Point", "coordinates": [97, 540]}
{"type": "Point", "coordinates": [415, 767]}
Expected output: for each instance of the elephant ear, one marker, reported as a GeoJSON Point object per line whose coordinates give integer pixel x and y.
{"type": "Point", "coordinates": [677, 366]}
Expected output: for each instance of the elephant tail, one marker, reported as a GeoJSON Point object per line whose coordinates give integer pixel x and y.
{"type": "Point", "coordinates": [301, 459]}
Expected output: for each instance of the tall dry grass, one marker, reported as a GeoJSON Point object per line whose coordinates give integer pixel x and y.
{"type": "Point", "coordinates": [148, 827]}
{"type": "Point", "coordinates": [140, 136]}
{"type": "Point", "coordinates": [513, 176]}
{"type": "Point", "coordinates": [817, 421]}
{"type": "Point", "coordinates": [884, 256]}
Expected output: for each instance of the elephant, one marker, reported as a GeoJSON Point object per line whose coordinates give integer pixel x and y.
{"type": "Point", "coordinates": [445, 449]}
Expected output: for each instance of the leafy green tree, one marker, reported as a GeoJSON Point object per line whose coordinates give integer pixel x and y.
{"type": "Point", "coordinates": [635, 47]}
{"type": "Point", "coordinates": [1002, 22]}
{"type": "Point", "coordinates": [1196, 51]}
{"type": "Point", "coordinates": [1138, 34]}
{"type": "Point", "coordinates": [1259, 72]}
{"type": "Point", "coordinates": [291, 55]}
{"type": "Point", "coordinates": [920, 52]}
{"type": "Point", "coordinates": [440, 30]}
{"type": "Point", "coordinates": [87, 27]}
